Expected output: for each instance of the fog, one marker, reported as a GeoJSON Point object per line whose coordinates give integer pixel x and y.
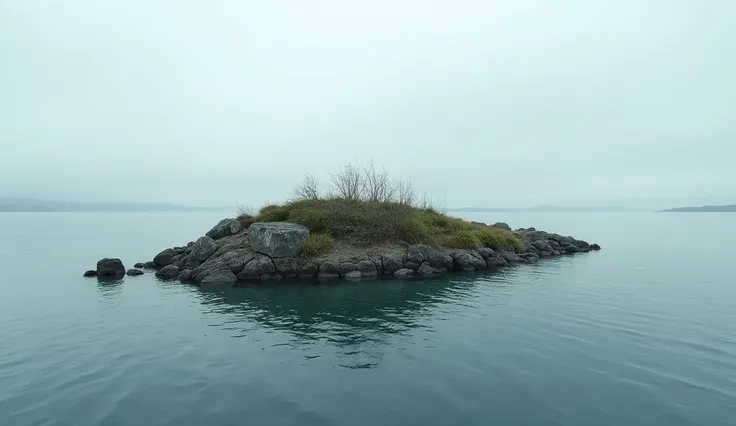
{"type": "Point", "coordinates": [482, 103]}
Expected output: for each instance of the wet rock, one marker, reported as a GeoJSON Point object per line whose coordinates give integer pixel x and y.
{"type": "Point", "coordinates": [329, 269]}
{"type": "Point", "coordinates": [259, 268]}
{"type": "Point", "coordinates": [391, 263]}
{"type": "Point", "coordinates": [165, 257]}
{"type": "Point", "coordinates": [220, 276]}
{"type": "Point", "coordinates": [353, 276]}
{"type": "Point", "coordinates": [149, 265]}
{"type": "Point", "coordinates": [277, 239]}
{"type": "Point", "coordinates": [542, 246]}
{"type": "Point", "coordinates": [236, 260]}
{"type": "Point", "coordinates": [168, 272]}
{"type": "Point", "coordinates": [404, 273]}
{"type": "Point", "coordinates": [485, 252]}
{"type": "Point", "coordinates": [90, 273]}
{"type": "Point", "coordinates": [110, 268]}
{"type": "Point", "coordinates": [307, 269]}
{"type": "Point", "coordinates": [202, 249]}
{"type": "Point", "coordinates": [139, 265]}
{"type": "Point", "coordinates": [134, 272]}
{"type": "Point", "coordinates": [224, 228]}
{"type": "Point", "coordinates": [426, 270]}
{"type": "Point", "coordinates": [185, 275]}
{"type": "Point", "coordinates": [367, 269]}
{"type": "Point", "coordinates": [346, 267]}
{"type": "Point", "coordinates": [468, 260]}
{"type": "Point", "coordinates": [595, 247]}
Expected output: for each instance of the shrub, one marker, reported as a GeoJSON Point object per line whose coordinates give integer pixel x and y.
{"type": "Point", "coordinates": [273, 213]}
{"type": "Point", "coordinates": [245, 220]}
{"type": "Point", "coordinates": [317, 244]}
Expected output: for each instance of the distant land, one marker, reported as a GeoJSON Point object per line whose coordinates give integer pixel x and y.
{"type": "Point", "coordinates": [546, 209]}
{"type": "Point", "coordinates": [702, 209]}
{"type": "Point", "coordinates": [11, 204]}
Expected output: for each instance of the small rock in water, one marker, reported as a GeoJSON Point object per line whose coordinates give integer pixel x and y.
{"type": "Point", "coordinates": [149, 265]}
{"type": "Point", "coordinates": [90, 273]}
{"type": "Point", "coordinates": [595, 247]}
{"type": "Point", "coordinates": [134, 272]}
{"type": "Point", "coordinates": [110, 268]}
{"type": "Point", "coordinates": [353, 276]}
{"type": "Point", "coordinates": [139, 265]}
{"type": "Point", "coordinates": [168, 272]}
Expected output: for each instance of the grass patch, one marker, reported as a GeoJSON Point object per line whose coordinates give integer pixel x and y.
{"type": "Point", "coordinates": [363, 222]}
{"type": "Point", "coordinates": [317, 244]}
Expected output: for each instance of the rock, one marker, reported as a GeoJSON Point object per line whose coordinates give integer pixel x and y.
{"type": "Point", "coordinates": [485, 252]}
{"type": "Point", "coordinates": [139, 265]}
{"type": "Point", "coordinates": [419, 253]}
{"type": "Point", "coordinates": [542, 246]}
{"type": "Point", "coordinates": [510, 257]}
{"type": "Point", "coordinates": [307, 269]}
{"type": "Point", "coordinates": [236, 260]}
{"type": "Point", "coordinates": [224, 228]}
{"type": "Point", "coordinates": [202, 249]}
{"type": "Point", "coordinates": [134, 272]}
{"type": "Point", "coordinates": [411, 265]}
{"type": "Point", "coordinates": [90, 273]}
{"type": "Point", "coordinates": [277, 239]}
{"type": "Point", "coordinates": [221, 276]}
{"type": "Point", "coordinates": [329, 269]}
{"type": "Point", "coordinates": [287, 266]}
{"type": "Point", "coordinates": [185, 275]}
{"type": "Point", "coordinates": [110, 268]}
{"type": "Point", "coordinates": [168, 272]}
{"type": "Point", "coordinates": [404, 273]}
{"type": "Point", "coordinates": [367, 269]}
{"type": "Point", "coordinates": [353, 276]}
{"type": "Point", "coordinates": [259, 268]}
{"type": "Point", "coordinates": [206, 269]}
{"type": "Point", "coordinates": [496, 262]}
{"type": "Point", "coordinates": [595, 247]}
{"type": "Point", "coordinates": [502, 225]}
{"type": "Point", "coordinates": [149, 265]}
{"type": "Point", "coordinates": [346, 267]}
{"type": "Point", "coordinates": [165, 257]}
{"type": "Point", "coordinates": [391, 263]}
{"type": "Point", "coordinates": [426, 270]}
{"type": "Point", "coordinates": [468, 260]}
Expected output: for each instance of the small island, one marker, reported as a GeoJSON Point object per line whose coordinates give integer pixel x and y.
{"type": "Point", "coordinates": [367, 227]}
{"type": "Point", "coordinates": [703, 209]}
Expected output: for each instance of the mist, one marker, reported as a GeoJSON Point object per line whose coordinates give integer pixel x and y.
{"type": "Point", "coordinates": [483, 103]}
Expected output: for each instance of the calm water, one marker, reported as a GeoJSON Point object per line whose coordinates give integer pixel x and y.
{"type": "Point", "coordinates": [641, 333]}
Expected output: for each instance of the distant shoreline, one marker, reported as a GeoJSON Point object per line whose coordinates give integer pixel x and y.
{"type": "Point", "coordinates": [702, 209]}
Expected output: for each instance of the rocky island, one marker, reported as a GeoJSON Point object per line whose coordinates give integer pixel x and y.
{"type": "Point", "coordinates": [360, 232]}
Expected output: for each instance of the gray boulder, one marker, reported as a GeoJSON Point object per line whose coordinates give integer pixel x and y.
{"type": "Point", "coordinates": [259, 268]}
{"type": "Point", "coordinates": [426, 270]}
{"type": "Point", "coordinates": [346, 267]}
{"type": "Point", "coordinates": [404, 273]}
{"type": "Point", "coordinates": [90, 273]}
{"type": "Point", "coordinates": [168, 272]}
{"type": "Point", "coordinates": [287, 266]}
{"type": "Point", "coordinates": [511, 258]}
{"type": "Point", "coordinates": [485, 252]}
{"type": "Point", "coordinates": [149, 265]}
{"type": "Point", "coordinates": [497, 262]}
{"type": "Point", "coordinates": [468, 260]}
{"type": "Point", "coordinates": [419, 253]}
{"type": "Point", "coordinates": [202, 249]}
{"type": "Point", "coordinates": [110, 268]}
{"type": "Point", "coordinates": [134, 272]}
{"type": "Point", "coordinates": [224, 228]}
{"type": "Point", "coordinates": [277, 239]}
{"type": "Point", "coordinates": [165, 257]}
{"type": "Point", "coordinates": [307, 269]}
{"type": "Point", "coordinates": [185, 275]}
{"type": "Point", "coordinates": [543, 245]}
{"type": "Point", "coordinates": [139, 265]}
{"type": "Point", "coordinates": [220, 276]}
{"type": "Point", "coordinates": [367, 269]}
{"type": "Point", "coordinates": [502, 225]}
{"type": "Point", "coordinates": [236, 260]}
{"type": "Point", "coordinates": [391, 263]}
{"type": "Point", "coordinates": [329, 270]}
{"type": "Point", "coordinates": [595, 247]}
{"type": "Point", "coordinates": [353, 276]}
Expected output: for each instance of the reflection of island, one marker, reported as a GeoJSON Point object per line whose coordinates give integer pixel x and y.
{"type": "Point", "coordinates": [703, 209]}
{"type": "Point", "coordinates": [350, 316]}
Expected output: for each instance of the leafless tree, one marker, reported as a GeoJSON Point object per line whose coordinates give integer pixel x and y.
{"type": "Point", "coordinates": [348, 183]}
{"type": "Point", "coordinates": [426, 202]}
{"type": "Point", "coordinates": [405, 193]}
{"type": "Point", "coordinates": [308, 189]}
{"type": "Point", "coordinates": [378, 186]}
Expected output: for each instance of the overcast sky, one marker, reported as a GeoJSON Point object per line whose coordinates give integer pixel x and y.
{"type": "Point", "coordinates": [484, 103]}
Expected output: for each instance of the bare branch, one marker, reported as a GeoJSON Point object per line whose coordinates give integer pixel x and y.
{"type": "Point", "coordinates": [348, 183]}
{"type": "Point", "coordinates": [308, 189]}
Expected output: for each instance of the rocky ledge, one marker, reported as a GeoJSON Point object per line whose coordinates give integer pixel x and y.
{"type": "Point", "coordinates": [228, 253]}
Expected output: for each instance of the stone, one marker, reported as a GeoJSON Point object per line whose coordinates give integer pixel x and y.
{"type": "Point", "coordinates": [543, 245]}
{"type": "Point", "coordinates": [353, 276]}
{"type": "Point", "coordinates": [496, 262]}
{"type": "Point", "coordinates": [404, 273]}
{"type": "Point", "coordinates": [307, 269]}
{"type": "Point", "coordinates": [236, 260]}
{"type": "Point", "coordinates": [419, 253]}
{"type": "Point", "coordinates": [510, 257]}
{"type": "Point", "coordinates": [139, 265]}
{"type": "Point", "coordinates": [134, 272]}
{"type": "Point", "coordinates": [426, 270]}
{"type": "Point", "coordinates": [468, 260]}
{"type": "Point", "coordinates": [185, 275]}
{"type": "Point", "coordinates": [346, 267]}
{"type": "Point", "coordinates": [277, 239]}
{"type": "Point", "coordinates": [220, 276]}
{"type": "Point", "coordinates": [168, 272]}
{"type": "Point", "coordinates": [502, 225]}
{"type": "Point", "coordinates": [90, 273]}
{"type": "Point", "coordinates": [391, 263]}
{"type": "Point", "coordinates": [224, 228]}
{"type": "Point", "coordinates": [165, 257]}
{"type": "Point", "coordinates": [330, 267]}
{"type": "Point", "coordinates": [595, 247]}
{"type": "Point", "coordinates": [485, 252]}
{"type": "Point", "coordinates": [110, 268]}
{"type": "Point", "coordinates": [411, 265]}
{"type": "Point", "coordinates": [259, 268]}
{"type": "Point", "coordinates": [367, 269]}
{"type": "Point", "coordinates": [149, 265]}
{"type": "Point", "coordinates": [202, 249]}
{"type": "Point", "coordinates": [287, 266]}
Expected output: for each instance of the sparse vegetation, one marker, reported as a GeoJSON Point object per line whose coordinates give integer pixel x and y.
{"type": "Point", "coordinates": [367, 207]}
{"type": "Point", "coordinates": [317, 244]}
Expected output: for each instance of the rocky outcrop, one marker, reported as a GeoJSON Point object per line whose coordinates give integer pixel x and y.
{"type": "Point", "coordinates": [272, 251]}
{"type": "Point", "coordinates": [224, 228]}
{"type": "Point", "coordinates": [110, 268]}
{"type": "Point", "coordinates": [277, 239]}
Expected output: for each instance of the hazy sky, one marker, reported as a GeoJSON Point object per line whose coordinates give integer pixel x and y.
{"type": "Point", "coordinates": [484, 103]}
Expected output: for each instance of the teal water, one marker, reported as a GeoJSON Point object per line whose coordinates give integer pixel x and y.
{"type": "Point", "coordinates": [640, 333]}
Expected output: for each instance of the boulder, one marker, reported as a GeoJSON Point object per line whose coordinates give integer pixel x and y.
{"type": "Point", "coordinates": [353, 276]}
{"type": "Point", "coordinates": [419, 253]}
{"type": "Point", "coordinates": [287, 266]}
{"type": "Point", "coordinates": [149, 265]}
{"type": "Point", "coordinates": [543, 245]}
{"type": "Point", "coordinates": [206, 269]}
{"type": "Point", "coordinates": [139, 265]}
{"type": "Point", "coordinates": [110, 268]}
{"type": "Point", "coordinates": [391, 263]}
{"type": "Point", "coordinates": [468, 260]}
{"type": "Point", "coordinates": [367, 269]}
{"type": "Point", "coordinates": [426, 270]}
{"type": "Point", "coordinates": [497, 262]}
{"type": "Point", "coordinates": [134, 272]}
{"type": "Point", "coordinates": [202, 249]}
{"type": "Point", "coordinates": [259, 268]}
{"type": "Point", "coordinates": [220, 276]}
{"type": "Point", "coordinates": [595, 247]}
{"type": "Point", "coordinates": [346, 267]}
{"type": "Point", "coordinates": [224, 228]}
{"type": "Point", "coordinates": [404, 273]}
{"type": "Point", "coordinates": [307, 269]}
{"type": "Point", "coordinates": [485, 252]}
{"type": "Point", "coordinates": [277, 239]}
{"type": "Point", "coordinates": [502, 225]}
{"type": "Point", "coordinates": [236, 260]}
{"type": "Point", "coordinates": [165, 257]}
{"type": "Point", "coordinates": [329, 269]}
{"type": "Point", "coordinates": [90, 273]}
{"type": "Point", "coordinates": [510, 257]}
{"type": "Point", "coordinates": [185, 275]}
{"type": "Point", "coordinates": [168, 272]}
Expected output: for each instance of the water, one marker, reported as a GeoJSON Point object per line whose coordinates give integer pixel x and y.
{"type": "Point", "coordinates": [641, 333]}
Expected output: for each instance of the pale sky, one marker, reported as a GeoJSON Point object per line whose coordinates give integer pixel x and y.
{"type": "Point", "coordinates": [484, 103]}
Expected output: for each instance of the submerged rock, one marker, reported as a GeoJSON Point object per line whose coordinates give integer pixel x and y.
{"type": "Point", "coordinates": [404, 273]}
{"type": "Point", "coordinates": [168, 272]}
{"type": "Point", "coordinates": [134, 272]}
{"type": "Point", "coordinates": [277, 239]}
{"type": "Point", "coordinates": [110, 268]}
